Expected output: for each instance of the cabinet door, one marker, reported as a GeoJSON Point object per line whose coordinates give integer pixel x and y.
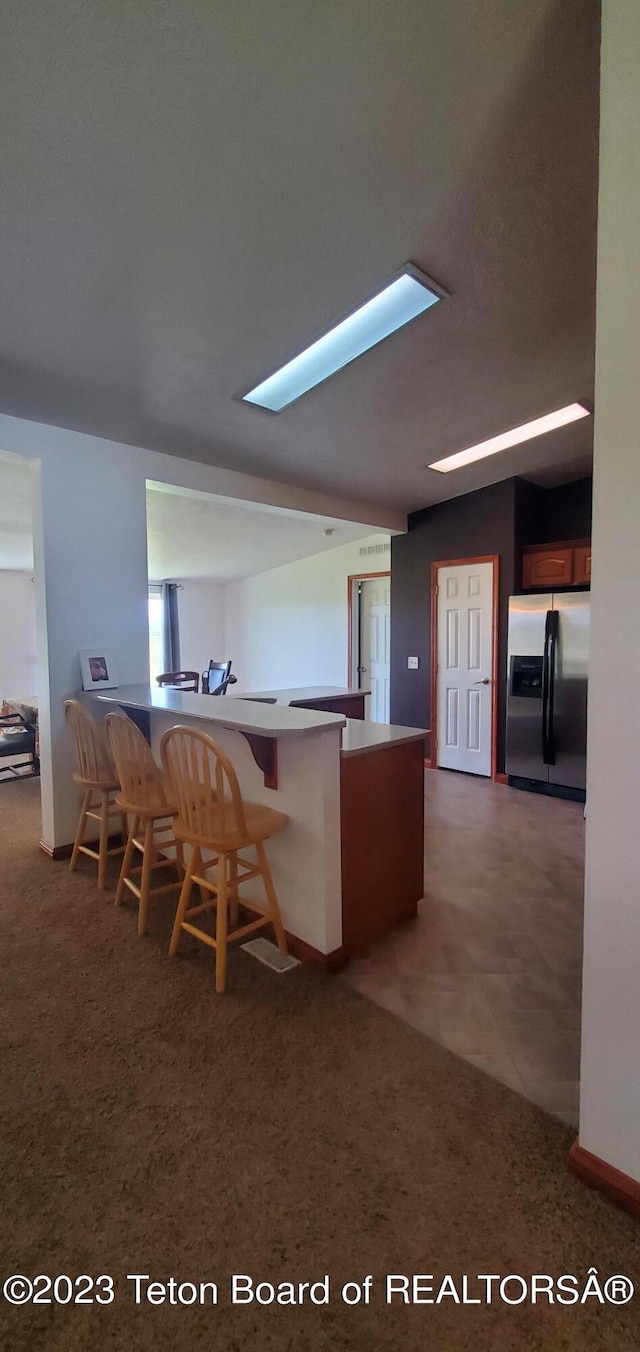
{"type": "Point", "coordinates": [582, 564]}
{"type": "Point", "coordinates": [543, 569]}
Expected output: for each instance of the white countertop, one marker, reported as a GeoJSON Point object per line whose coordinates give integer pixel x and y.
{"type": "Point", "coordinates": [273, 719]}
{"type": "Point", "coordinates": [264, 720]}
{"type": "Point", "coordinates": [358, 736]}
{"type": "Point", "coordinates": [305, 692]}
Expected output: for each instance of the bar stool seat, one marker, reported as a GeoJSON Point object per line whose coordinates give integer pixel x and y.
{"type": "Point", "coordinates": [214, 820]}
{"type": "Point", "coordinates": [97, 775]}
{"type": "Point", "coordinates": [261, 822]}
{"type": "Point", "coordinates": [143, 796]}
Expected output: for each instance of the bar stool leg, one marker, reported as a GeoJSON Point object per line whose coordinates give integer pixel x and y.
{"type": "Point", "coordinates": [221, 925]}
{"type": "Point", "coordinates": [194, 862]}
{"type": "Point", "coordinates": [126, 862]}
{"type": "Point", "coordinates": [104, 842]}
{"type": "Point", "coordinates": [274, 909]}
{"type": "Point", "coordinates": [82, 822]}
{"type": "Point", "coordinates": [180, 865]}
{"type": "Point", "coordinates": [145, 880]}
{"type": "Point", "coordinates": [233, 889]}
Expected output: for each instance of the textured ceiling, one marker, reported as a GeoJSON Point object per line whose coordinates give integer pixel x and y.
{"type": "Point", "coordinates": [189, 535]}
{"type": "Point", "coordinates": [201, 537]}
{"type": "Point", "coordinates": [192, 191]}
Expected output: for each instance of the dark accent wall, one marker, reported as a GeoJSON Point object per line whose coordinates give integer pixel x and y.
{"type": "Point", "coordinates": [548, 515]}
{"type": "Point", "coordinates": [495, 520]}
{"type": "Point", "coordinates": [477, 523]}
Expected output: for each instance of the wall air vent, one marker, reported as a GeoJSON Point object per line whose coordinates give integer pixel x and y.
{"type": "Point", "coordinates": [376, 549]}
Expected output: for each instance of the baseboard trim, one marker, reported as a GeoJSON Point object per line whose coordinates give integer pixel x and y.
{"type": "Point", "coordinates": [312, 957]}
{"type": "Point", "coordinates": [57, 852]}
{"type": "Point", "coordinates": [596, 1173]}
{"type": "Point", "coordinates": [306, 953]}
{"type": "Point", "coordinates": [49, 850]}
{"type": "Point", "coordinates": [500, 778]}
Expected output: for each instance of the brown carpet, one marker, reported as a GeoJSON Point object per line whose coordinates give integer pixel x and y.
{"type": "Point", "coordinates": [286, 1130]}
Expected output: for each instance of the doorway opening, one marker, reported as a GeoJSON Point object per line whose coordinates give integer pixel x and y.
{"type": "Point", "coordinates": [464, 664]}
{"type": "Point", "coordinates": [19, 684]}
{"type": "Point", "coordinates": [369, 616]}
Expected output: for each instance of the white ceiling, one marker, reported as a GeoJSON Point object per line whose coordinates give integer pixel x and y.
{"type": "Point", "coordinates": [189, 536]}
{"type": "Point", "coordinates": [201, 537]}
{"type": "Point", "coordinates": [191, 192]}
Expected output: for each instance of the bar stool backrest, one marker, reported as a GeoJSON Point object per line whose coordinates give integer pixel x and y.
{"type": "Point", "coordinates": [141, 780]}
{"type": "Point", "coordinates": [205, 786]}
{"type": "Point", "coordinates": [93, 757]}
{"type": "Point", "coordinates": [182, 680]}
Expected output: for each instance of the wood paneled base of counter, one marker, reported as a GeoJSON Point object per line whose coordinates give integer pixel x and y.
{"type": "Point", "coordinates": [382, 841]}
{"type": "Point", "coordinates": [352, 706]}
{"type": "Point", "coordinates": [596, 1173]}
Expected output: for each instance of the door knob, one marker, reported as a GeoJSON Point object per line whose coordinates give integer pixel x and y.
{"type": "Point", "coordinates": [485, 681]}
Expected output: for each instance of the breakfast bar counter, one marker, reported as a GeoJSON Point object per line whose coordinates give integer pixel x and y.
{"type": "Point", "coordinates": [335, 699]}
{"type": "Point", "coordinates": [349, 864]}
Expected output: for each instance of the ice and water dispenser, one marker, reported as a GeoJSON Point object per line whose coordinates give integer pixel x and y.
{"type": "Point", "coordinates": [526, 677]}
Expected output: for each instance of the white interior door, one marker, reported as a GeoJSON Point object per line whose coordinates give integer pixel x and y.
{"type": "Point", "coordinates": [464, 667]}
{"type": "Point", "coordinates": [375, 644]}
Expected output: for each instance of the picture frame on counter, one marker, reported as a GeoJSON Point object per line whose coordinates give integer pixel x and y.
{"type": "Point", "coordinates": [98, 669]}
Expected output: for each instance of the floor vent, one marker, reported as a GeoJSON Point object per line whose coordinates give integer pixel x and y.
{"type": "Point", "coordinates": [266, 952]}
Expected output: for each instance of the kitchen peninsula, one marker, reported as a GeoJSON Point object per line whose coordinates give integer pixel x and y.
{"type": "Point", "coordinates": [349, 865]}
{"type": "Point", "coordinates": [332, 699]}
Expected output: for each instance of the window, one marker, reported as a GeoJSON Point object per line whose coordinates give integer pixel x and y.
{"type": "Point", "coordinates": [156, 632]}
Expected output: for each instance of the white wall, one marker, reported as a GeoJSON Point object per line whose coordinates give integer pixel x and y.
{"type": "Point", "coordinates": [288, 626]}
{"type": "Point", "coordinates": [610, 1099]}
{"type": "Point", "coordinates": [201, 617]}
{"type": "Point", "coordinates": [17, 635]}
{"type": "Point", "coordinates": [90, 552]}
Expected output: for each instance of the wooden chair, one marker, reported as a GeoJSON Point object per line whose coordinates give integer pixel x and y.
{"type": "Point", "coordinates": [213, 817]}
{"type": "Point", "coordinates": [216, 678]}
{"type": "Point", "coordinates": [97, 775]}
{"type": "Point", "coordinates": [17, 738]}
{"type": "Point", "coordinates": [188, 681]}
{"type": "Point", "coordinates": [144, 798]}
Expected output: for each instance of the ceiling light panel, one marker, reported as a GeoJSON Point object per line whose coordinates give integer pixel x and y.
{"type": "Point", "coordinates": [526, 432]}
{"type": "Point", "coordinates": [403, 299]}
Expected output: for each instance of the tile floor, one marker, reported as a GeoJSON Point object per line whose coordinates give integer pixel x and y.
{"type": "Point", "coordinates": [492, 965]}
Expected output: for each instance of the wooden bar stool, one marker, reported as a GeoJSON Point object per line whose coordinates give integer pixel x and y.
{"type": "Point", "coordinates": [213, 817]}
{"type": "Point", "coordinates": [97, 775]}
{"type": "Point", "coordinates": [143, 796]}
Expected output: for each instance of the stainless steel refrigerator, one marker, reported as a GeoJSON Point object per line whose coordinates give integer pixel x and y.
{"type": "Point", "coordinates": [548, 654]}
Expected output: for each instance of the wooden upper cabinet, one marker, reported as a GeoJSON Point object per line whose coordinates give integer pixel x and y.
{"type": "Point", "coordinates": [582, 565]}
{"type": "Point", "coordinates": [564, 565]}
{"type": "Point", "coordinates": [545, 568]}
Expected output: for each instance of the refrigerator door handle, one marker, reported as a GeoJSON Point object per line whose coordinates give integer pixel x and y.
{"type": "Point", "coordinates": [548, 683]}
{"type": "Point", "coordinates": [545, 689]}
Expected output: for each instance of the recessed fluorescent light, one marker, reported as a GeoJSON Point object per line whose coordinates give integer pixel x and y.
{"type": "Point", "coordinates": [525, 432]}
{"type": "Point", "coordinates": [401, 300]}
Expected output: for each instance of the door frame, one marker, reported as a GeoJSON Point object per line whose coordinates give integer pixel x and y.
{"type": "Point", "coordinates": [355, 577]}
{"type": "Point", "coordinates": [458, 563]}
